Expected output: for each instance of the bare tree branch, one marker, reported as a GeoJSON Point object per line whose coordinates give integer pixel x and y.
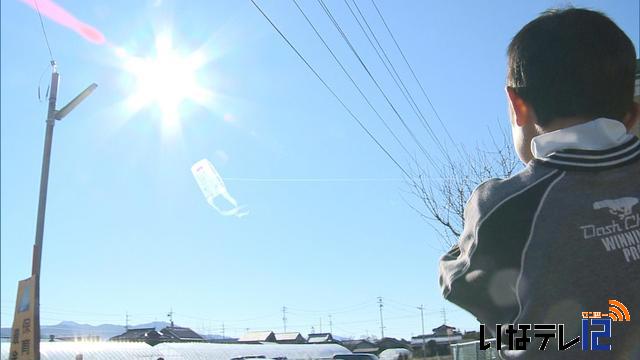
{"type": "Point", "coordinates": [442, 199]}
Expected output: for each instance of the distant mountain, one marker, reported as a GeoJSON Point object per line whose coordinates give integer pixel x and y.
{"type": "Point", "coordinates": [74, 329]}
{"type": "Point", "coordinates": [155, 324]}
{"type": "Point", "coordinates": [70, 329]}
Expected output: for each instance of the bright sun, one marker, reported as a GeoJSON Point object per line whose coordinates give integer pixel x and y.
{"type": "Point", "coordinates": [165, 80]}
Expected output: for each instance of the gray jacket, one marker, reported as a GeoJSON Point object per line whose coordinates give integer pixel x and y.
{"type": "Point", "coordinates": [560, 238]}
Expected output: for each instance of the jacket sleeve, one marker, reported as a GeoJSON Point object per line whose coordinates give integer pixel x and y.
{"type": "Point", "coordinates": [468, 271]}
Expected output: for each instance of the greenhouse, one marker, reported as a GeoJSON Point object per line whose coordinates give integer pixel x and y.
{"type": "Point", "coordinates": [186, 351]}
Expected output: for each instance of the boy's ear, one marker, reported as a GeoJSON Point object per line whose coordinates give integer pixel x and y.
{"type": "Point", "coordinates": [523, 113]}
{"type": "Point", "coordinates": [633, 116]}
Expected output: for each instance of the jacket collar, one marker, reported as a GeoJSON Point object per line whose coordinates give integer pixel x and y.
{"type": "Point", "coordinates": [594, 145]}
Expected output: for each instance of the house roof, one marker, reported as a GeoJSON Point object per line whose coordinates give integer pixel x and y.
{"type": "Point", "coordinates": [443, 327]}
{"type": "Point", "coordinates": [392, 340]}
{"type": "Point", "coordinates": [181, 333]}
{"type": "Point", "coordinates": [320, 338]}
{"type": "Point", "coordinates": [388, 343]}
{"type": "Point", "coordinates": [258, 336]}
{"type": "Point", "coordinates": [417, 341]}
{"type": "Point", "coordinates": [288, 336]}
{"type": "Point", "coordinates": [169, 333]}
{"type": "Point", "coordinates": [360, 346]}
{"type": "Point", "coordinates": [134, 334]}
{"type": "Point", "coordinates": [356, 342]}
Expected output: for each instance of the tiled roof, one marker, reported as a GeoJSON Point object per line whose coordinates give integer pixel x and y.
{"type": "Point", "coordinates": [182, 333]}
{"type": "Point", "coordinates": [133, 334]}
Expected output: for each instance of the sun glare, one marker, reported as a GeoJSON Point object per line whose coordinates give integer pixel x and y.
{"type": "Point", "coordinates": [165, 80]}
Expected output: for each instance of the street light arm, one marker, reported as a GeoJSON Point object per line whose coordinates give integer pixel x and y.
{"type": "Point", "coordinates": [60, 114]}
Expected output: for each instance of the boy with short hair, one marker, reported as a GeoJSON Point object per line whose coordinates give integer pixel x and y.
{"type": "Point", "coordinates": [561, 237]}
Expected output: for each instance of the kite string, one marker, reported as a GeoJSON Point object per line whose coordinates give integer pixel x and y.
{"type": "Point", "coordinates": [44, 32]}
{"type": "Point", "coordinates": [322, 180]}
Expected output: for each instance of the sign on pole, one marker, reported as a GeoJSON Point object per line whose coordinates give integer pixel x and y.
{"type": "Point", "coordinates": [23, 341]}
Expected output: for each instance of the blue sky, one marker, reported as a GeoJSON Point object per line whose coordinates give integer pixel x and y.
{"type": "Point", "coordinates": [127, 228]}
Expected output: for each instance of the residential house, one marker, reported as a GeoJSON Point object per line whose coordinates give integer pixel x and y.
{"type": "Point", "coordinates": [436, 343]}
{"type": "Point", "coordinates": [290, 338]}
{"type": "Point", "coordinates": [360, 346]}
{"type": "Point", "coordinates": [256, 337]}
{"type": "Point", "coordinates": [153, 337]}
{"type": "Point", "coordinates": [321, 338]}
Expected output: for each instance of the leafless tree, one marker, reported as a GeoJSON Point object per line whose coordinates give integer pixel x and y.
{"type": "Point", "coordinates": [442, 193]}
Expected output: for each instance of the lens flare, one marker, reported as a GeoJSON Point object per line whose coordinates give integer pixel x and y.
{"type": "Point", "coordinates": [65, 18]}
{"type": "Point", "coordinates": [166, 80]}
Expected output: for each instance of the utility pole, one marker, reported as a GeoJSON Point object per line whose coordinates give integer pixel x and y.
{"type": "Point", "coordinates": [284, 318]}
{"type": "Point", "coordinates": [424, 343]}
{"type": "Point", "coordinates": [321, 325]}
{"type": "Point", "coordinates": [223, 337]}
{"type": "Point", "coordinates": [381, 319]}
{"type": "Point", "coordinates": [444, 318]}
{"type": "Point", "coordinates": [52, 116]}
{"type": "Point", "coordinates": [126, 321]}
{"type": "Point", "coordinates": [330, 324]}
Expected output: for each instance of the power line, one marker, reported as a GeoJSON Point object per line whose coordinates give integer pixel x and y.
{"type": "Point", "coordinates": [386, 125]}
{"type": "Point", "coordinates": [331, 90]}
{"type": "Point", "coordinates": [355, 52]}
{"type": "Point", "coordinates": [44, 32]}
{"type": "Point", "coordinates": [271, 315]}
{"type": "Point", "coordinates": [401, 85]}
{"type": "Point", "coordinates": [332, 180]}
{"type": "Point", "coordinates": [344, 309]}
{"type": "Point", "coordinates": [412, 72]}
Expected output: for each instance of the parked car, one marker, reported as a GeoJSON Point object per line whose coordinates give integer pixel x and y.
{"type": "Point", "coordinates": [361, 356]}
{"type": "Point", "coordinates": [396, 354]}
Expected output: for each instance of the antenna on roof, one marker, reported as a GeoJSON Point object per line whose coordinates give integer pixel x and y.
{"type": "Point", "coordinates": [170, 316]}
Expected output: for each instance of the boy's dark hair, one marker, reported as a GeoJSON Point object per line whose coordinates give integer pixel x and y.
{"type": "Point", "coordinates": [573, 62]}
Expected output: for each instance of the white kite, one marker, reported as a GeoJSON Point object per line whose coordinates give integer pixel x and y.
{"type": "Point", "coordinates": [213, 188]}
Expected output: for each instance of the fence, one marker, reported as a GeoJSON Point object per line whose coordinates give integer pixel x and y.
{"type": "Point", "coordinates": [471, 351]}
